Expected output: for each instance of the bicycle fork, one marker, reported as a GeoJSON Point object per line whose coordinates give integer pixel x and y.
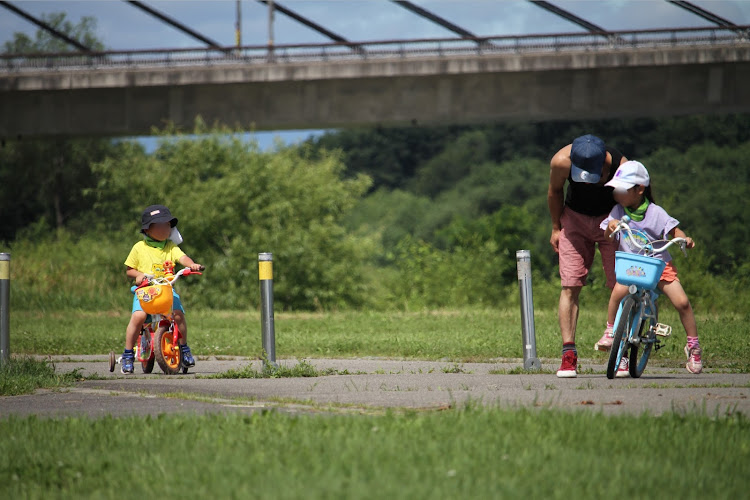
{"type": "Point", "coordinates": [646, 309]}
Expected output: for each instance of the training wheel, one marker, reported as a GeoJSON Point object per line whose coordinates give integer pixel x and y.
{"type": "Point", "coordinates": [112, 361]}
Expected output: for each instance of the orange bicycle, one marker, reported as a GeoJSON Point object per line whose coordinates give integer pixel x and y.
{"type": "Point", "coordinates": [159, 340]}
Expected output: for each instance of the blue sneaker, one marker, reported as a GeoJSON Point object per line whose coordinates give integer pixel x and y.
{"type": "Point", "coordinates": [127, 364]}
{"type": "Point", "coordinates": [187, 357]}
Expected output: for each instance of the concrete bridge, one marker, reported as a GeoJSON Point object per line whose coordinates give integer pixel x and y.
{"type": "Point", "coordinates": [544, 77]}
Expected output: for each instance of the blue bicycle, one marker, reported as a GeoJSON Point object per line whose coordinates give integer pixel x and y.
{"type": "Point", "coordinates": [637, 329]}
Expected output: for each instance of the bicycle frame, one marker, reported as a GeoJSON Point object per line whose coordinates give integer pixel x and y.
{"type": "Point", "coordinates": [159, 333]}
{"type": "Point", "coordinates": [166, 337]}
{"type": "Point", "coordinates": [644, 312]}
{"type": "Point", "coordinates": [150, 328]}
{"type": "Point", "coordinates": [638, 309]}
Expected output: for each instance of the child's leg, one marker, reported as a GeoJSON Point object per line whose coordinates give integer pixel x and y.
{"type": "Point", "coordinates": [693, 351]}
{"type": "Point", "coordinates": [618, 293]}
{"type": "Point", "coordinates": [134, 328]}
{"type": "Point", "coordinates": [679, 299]}
{"type": "Point", "coordinates": [178, 314]}
{"type": "Point", "coordinates": [179, 319]}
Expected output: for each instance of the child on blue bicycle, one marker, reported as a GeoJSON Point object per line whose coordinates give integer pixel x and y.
{"type": "Point", "coordinates": [149, 257]}
{"type": "Point", "coordinates": [632, 192]}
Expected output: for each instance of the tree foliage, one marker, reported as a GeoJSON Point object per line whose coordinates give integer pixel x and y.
{"type": "Point", "coordinates": [84, 32]}
{"type": "Point", "coordinates": [43, 179]}
{"type": "Point", "coordinates": [706, 188]}
{"type": "Point", "coordinates": [376, 217]}
{"type": "Point", "coordinates": [233, 202]}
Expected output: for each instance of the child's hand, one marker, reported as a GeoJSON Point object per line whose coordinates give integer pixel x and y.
{"type": "Point", "coordinates": [611, 227]}
{"type": "Point", "coordinates": [140, 277]}
{"type": "Point", "coordinates": [689, 243]}
{"type": "Point", "coordinates": [196, 267]}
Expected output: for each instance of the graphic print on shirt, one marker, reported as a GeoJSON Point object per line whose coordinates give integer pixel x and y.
{"type": "Point", "coordinates": [162, 269]}
{"type": "Point", "coordinates": [640, 237]}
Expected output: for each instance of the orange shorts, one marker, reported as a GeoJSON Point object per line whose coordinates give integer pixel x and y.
{"type": "Point", "coordinates": [670, 273]}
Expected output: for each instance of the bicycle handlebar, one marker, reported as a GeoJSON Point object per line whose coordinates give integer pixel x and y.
{"type": "Point", "coordinates": [622, 225]}
{"type": "Point", "coordinates": [163, 280]}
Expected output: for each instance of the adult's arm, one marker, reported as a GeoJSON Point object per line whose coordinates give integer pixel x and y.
{"type": "Point", "coordinates": [559, 172]}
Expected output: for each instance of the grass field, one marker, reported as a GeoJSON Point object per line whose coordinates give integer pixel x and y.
{"type": "Point", "coordinates": [461, 335]}
{"type": "Point", "coordinates": [473, 451]}
{"type": "Point", "coordinates": [470, 453]}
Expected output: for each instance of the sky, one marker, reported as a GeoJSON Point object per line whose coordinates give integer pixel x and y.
{"type": "Point", "coordinates": [121, 26]}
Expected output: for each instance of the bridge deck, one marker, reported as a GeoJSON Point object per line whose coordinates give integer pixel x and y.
{"type": "Point", "coordinates": [435, 81]}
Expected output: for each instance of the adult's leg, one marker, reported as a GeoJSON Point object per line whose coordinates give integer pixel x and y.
{"type": "Point", "coordinates": [607, 249]}
{"type": "Point", "coordinates": [567, 312]}
{"type": "Point", "coordinates": [576, 254]}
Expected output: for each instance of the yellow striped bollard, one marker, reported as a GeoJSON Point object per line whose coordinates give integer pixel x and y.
{"type": "Point", "coordinates": [4, 308]}
{"type": "Point", "coordinates": [265, 275]}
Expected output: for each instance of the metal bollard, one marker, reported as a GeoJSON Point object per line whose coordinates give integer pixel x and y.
{"type": "Point", "coordinates": [4, 308]}
{"type": "Point", "coordinates": [523, 264]}
{"type": "Point", "coordinates": [265, 275]}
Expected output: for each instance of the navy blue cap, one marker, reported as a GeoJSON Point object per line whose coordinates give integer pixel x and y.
{"type": "Point", "coordinates": [155, 214]}
{"type": "Point", "coordinates": [587, 159]}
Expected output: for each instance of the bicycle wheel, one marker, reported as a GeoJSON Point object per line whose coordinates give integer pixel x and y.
{"type": "Point", "coordinates": [148, 366]}
{"type": "Point", "coordinates": [620, 341]}
{"type": "Point", "coordinates": [168, 353]}
{"type": "Point", "coordinates": [112, 361]}
{"type": "Point", "coordinates": [638, 363]}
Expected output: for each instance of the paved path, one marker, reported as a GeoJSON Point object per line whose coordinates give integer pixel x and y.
{"type": "Point", "coordinates": [367, 385]}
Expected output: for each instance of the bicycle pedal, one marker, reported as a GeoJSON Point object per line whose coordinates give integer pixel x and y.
{"type": "Point", "coordinates": [662, 330]}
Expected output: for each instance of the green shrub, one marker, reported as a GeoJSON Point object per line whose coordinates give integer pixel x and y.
{"type": "Point", "coordinates": [234, 202]}
{"type": "Point", "coordinates": [65, 271]}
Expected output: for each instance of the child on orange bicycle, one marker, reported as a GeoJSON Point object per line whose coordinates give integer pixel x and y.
{"type": "Point", "coordinates": [632, 192]}
{"type": "Point", "coordinates": [148, 257]}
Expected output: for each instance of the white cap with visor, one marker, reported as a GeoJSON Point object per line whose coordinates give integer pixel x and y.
{"type": "Point", "coordinates": [629, 174]}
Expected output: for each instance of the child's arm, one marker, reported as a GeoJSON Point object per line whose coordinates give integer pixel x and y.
{"type": "Point", "coordinates": [188, 262]}
{"type": "Point", "coordinates": [135, 274]}
{"type": "Point", "coordinates": [679, 233]}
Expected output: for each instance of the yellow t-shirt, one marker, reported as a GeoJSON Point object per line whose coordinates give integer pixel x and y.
{"type": "Point", "coordinates": [150, 260]}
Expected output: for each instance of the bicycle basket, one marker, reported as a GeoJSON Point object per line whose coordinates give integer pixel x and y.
{"type": "Point", "coordinates": [639, 270]}
{"type": "Point", "coordinates": [155, 299]}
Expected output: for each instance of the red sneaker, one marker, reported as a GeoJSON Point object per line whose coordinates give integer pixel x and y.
{"type": "Point", "coordinates": [569, 365]}
{"type": "Point", "coordinates": [624, 369]}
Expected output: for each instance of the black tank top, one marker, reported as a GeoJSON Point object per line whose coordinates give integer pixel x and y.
{"type": "Point", "coordinates": [593, 199]}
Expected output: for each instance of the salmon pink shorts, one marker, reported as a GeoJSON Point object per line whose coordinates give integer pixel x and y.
{"type": "Point", "coordinates": [670, 273]}
{"type": "Point", "coordinates": [579, 238]}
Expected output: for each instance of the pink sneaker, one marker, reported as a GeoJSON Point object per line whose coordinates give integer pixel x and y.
{"type": "Point", "coordinates": [569, 365]}
{"type": "Point", "coordinates": [622, 370]}
{"type": "Point", "coordinates": [605, 343]}
{"type": "Point", "coordinates": [694, 364]}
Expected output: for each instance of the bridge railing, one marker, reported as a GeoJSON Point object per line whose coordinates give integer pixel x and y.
{"type": "Point", "coordinates": [381, 49]}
